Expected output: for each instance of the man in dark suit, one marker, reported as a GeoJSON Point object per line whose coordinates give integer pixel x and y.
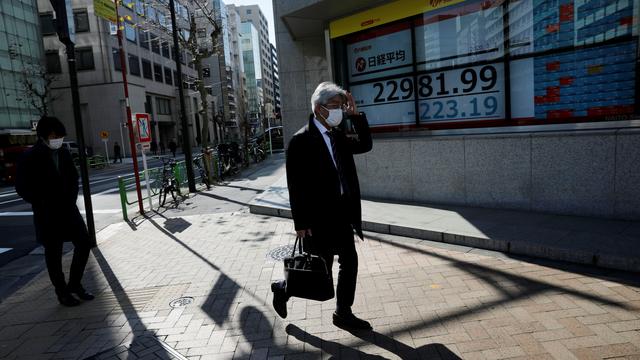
{"type": "Point", "coordinates": [325, 195]}
{"type": "Point", "coordinates": [47, 179]}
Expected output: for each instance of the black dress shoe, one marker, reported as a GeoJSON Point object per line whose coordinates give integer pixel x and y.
{"type": "Point", "coordinates": [81, 293]}
{"type": "Point", "coordinates": [350, 322]}
{"type": "Point", "coordinates": [67, 299]}
{"type": "Point", "coordinates": [279, 299]}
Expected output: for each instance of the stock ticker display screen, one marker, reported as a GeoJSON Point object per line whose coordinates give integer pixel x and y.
{"type": "Point", "coordinates": [482, 63]}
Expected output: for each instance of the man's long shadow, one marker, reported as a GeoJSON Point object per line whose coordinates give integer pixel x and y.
{"type": "Point", "coordinates": [404, 351]}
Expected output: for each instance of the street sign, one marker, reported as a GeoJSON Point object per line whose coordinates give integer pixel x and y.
{"type": "Point", "coordinates": [104, 135]}
{"type": "Point", "coordinates": [105, 9]}
{"type": "Point", "coordinates": [144, 127]}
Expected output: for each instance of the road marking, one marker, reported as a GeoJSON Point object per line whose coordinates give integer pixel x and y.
{"type": "Point", "coordinates": [3, 250]}
{"type": "Point", "coordinates": [30, 213]}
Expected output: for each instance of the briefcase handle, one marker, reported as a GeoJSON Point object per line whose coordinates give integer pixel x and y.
{"type": "Point", "coordinates": [297, 243]}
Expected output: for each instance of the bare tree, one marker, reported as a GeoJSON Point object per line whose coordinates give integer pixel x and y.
{"type": "Point", "coordinates": [35, 80]}
{"type": "Point", "coordinates": [200, 37]}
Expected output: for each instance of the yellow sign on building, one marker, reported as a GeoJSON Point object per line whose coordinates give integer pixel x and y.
{"type": "Point", "coordinates": [105, 9]}
{"type": "Point", "coordinates": [385, 14]}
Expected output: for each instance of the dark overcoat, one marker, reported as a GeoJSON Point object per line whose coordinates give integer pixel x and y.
{"type": "Point", "coordinates": [312, 178]}
{"type": "Point", "coordinates": [52, 193]}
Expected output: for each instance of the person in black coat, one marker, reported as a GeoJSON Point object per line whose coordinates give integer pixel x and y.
{"type": "Point", "coordinates": [325, 194]}
{"type": "Point", "coordinates": [47, 179]}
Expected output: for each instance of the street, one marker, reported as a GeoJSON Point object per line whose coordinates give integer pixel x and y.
{"type": "Point", "coordinates": [16, 221]}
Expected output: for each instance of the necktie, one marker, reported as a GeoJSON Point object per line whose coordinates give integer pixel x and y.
{"type": "Point", "coordinates": [336, 158]}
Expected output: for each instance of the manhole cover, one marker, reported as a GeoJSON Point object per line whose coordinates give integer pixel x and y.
{"type": "Point", "coordinates": [181, 302]}
{"type": "Point", "coordinates": [280, 252]}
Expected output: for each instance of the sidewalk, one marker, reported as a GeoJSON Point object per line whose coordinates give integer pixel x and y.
{"type": "Point", "coordinates": [604, 243]}
{"type": "Point", "coordinates": [197, 287]}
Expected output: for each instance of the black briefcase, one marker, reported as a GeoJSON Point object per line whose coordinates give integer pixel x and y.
{"type": "Point", "coordinates": [307, 275]}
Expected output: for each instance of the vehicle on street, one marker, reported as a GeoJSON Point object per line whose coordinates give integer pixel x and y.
{"type": "Point", "coordinates": [9, 157]}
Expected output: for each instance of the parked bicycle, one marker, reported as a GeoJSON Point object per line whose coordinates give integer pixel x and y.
{"type": "Point", "coordinates": [169, 181]}
{"type": "Point", "coordinates": [227, 160]}
{"type": "Point", "coordinates": [198, 162]}
{"type": "Point", "coordinates": [256, 152]}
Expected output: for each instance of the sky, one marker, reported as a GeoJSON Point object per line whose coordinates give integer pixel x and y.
{"type": "Point", "coordinates": [267, 9]}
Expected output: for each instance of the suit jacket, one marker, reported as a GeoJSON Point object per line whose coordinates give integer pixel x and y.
{"type": "Point", "coordinates": [52, 193]}
{"type": "Point", "coordinates": [313, 181]}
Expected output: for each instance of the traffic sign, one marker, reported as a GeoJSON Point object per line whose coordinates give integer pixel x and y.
{"type": "Point", "coordinates": [144, 127]}
{"type": "Point", "coordinates": [105, 9]}
{"type": "Point", "coordinates": [104, 135]}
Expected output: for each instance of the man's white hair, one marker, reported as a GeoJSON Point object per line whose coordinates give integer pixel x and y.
{"type": "Point", "coordinates": [324, 92]}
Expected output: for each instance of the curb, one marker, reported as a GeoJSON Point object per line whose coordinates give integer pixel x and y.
{"type": "Point", "coordinates": [507, 246]}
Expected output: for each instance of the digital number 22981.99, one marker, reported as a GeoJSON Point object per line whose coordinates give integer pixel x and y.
{"type": "Point", "coordinates": [427, 87]}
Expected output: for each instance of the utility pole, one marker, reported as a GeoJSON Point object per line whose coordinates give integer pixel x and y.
{"type": "Point", "coordinates": [66, 34]}
{"type": "Point", "coordinates": [186, 143]}
{"type": "Point", "coordinates": [132, 139]}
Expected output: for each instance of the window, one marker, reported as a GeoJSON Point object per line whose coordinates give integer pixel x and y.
{"type": "Point", "coordinates": [567, 63]}
{"type": "Point", "coordinates": [53, 62]}
{"type": "Point", "coordinates": [84, 58]}
{"type": "Point", "coordinates": [146, 69]}
{"type": "Point", "coordinates": [140, 7]}
{"type": "Point", "coordinates": [134, 65]}
{"type": "Point", "coordinates": [117, 65]}
{"type": "Point", "coordinates": [167, 76]}
{"type": "Point", "coordinates": [157, 72]}
{"type": "Point", "coordinates": [163, 106]}
{"type": "Point", "coordinates": [130, 32]}
{"type": "Point", "coordinates": [151, 13]}
{"type": "Point", "coordinates": [47, 24]}
{"type": "Point", "coordinates": [165, 50]}
{"type": "Point", "coordinates": [81, 20]}
{"type": "Point", "coordinates": [144, 38]}
{"type": "Point", "coordinates": [248, 11]}
{"type": "Point", "coordinates": [155, 44]}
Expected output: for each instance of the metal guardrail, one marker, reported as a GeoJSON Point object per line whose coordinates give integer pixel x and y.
{"type": "Point", "coordinates": [155, 182]}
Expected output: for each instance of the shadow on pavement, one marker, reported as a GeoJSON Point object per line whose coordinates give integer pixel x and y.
{"type": "Point", "coordinates": [142, 337]}
{"type": "Point", "coordinates": [242, 188]}
{"type": "Point", "coordinates": [217, 197]}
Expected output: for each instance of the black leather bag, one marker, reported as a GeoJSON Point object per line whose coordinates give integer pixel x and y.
{"type": "Point", "coordinates": [307, 275]}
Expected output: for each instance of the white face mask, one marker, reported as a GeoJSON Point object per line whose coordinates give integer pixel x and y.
{"type": "Point", "coordinates": [335, 117]}
{"type": "Point", "coordinates": [55, 144]}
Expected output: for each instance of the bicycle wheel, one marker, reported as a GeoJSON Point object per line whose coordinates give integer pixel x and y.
{"type": "Point", "coordinates": [173, 194]}
{"type": "Point", "coordinates": [161, 199]}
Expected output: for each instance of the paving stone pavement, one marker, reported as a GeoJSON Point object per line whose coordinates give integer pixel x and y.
{"type": "Point", "coordinates": [425, 300]}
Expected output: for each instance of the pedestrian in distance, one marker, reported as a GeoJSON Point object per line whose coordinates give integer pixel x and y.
{"type": "Point", "coordinates": [153, 147]}
{"type": "Point", "coordinates": [325, 194]}
{"type": "Point", "coordinates": [48, 180]}
{"type": "Point", "coordinates": [161, 148]}
{"type": "Point", "coordinates": [173, 147]}
{"type": "Point", "coordinates": [117, 152]}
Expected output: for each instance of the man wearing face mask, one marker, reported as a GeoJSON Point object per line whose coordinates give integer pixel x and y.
{"type": "Point", "coordinates": [325, 195]}
{"type": "Point", "coordinates": [47, 178]}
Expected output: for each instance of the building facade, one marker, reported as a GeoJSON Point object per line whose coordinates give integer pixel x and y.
{"type": "Point", "coordinates": [239, 94]}
{"type": "Point", "coordinates": [250, 47]}
{"type": "Point", "coordinates": [21, 59]}
{"type": "Point", "coordinates": [529, 105]}
{"type": "Point", "coordinates": [151, 73]}
{"type": "Point", "coordinates": [276, 83]}
{"type": "Point", "coordinates": [254, 15]}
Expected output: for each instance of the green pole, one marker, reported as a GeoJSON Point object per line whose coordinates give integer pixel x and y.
{"type": "Point", "coordinates": [123, 198]}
